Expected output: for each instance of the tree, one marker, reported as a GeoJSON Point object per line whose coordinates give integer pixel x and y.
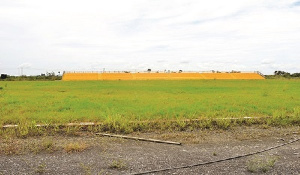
{"type": "Point", "coordinates": [282, 73]}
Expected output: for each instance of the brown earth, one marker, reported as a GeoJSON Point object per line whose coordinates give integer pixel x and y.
{"type": "Point", "coordinates": [91, 154]}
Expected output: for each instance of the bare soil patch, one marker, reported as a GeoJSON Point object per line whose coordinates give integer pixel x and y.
{"type": "Point", "coordinates": [92, 154]}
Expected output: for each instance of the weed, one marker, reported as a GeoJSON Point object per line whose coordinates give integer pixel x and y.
{"type": "Point", "coordinates": [72, 130]}
{"type": "Point", "coordinates": [297, 112]}
{"type": "Point", "coordinates": [101, 172]}
{"type": "Point", "coordinates": [265, 94]}
{"type": "Point", "coordinates": [46, 145]}
{"type": "Point", "coordinates": [181, 125]}
{"type": "Point", "coordinates": [23, 130]}
{"type": "Point", "coordinates": [204, 124]}
{"type": "Point", "coordinates": [260, 164]}
{"type": "Point", "coordinates": [223, 123]}
{"type": "Point", "coordinates": [40, 169]}
{"type": "Point", "coordinates": [86, 169]}
{"type": "Point", "coordinates": [264, 126]}
{"type": "Point", "coordinates": [118, 164]}
{"type": "Point", "coordinates": [117, 123]}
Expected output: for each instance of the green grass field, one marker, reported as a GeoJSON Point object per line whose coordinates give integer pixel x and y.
{"type": "Point", "coordinates": [100, 101]}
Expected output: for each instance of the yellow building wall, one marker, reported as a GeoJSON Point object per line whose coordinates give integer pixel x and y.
{"type": "Point", "coordinates": [80, 76]}
{"type": "Point", "coordinates": [151, 76]}
{"type": "Point", "coordinates": [247, 76]}
{"type": "Point", "coordinates": [116, 76]}
{"type": "Point", "coordinates": [158, 76]}
{"type": "Point", "coordinates": [184, 76]}
{"type": "Point", "coordinates": [222, 76]}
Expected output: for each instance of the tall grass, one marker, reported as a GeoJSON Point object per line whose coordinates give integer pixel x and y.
{"type": "Point", "coordinates": [117, 103]}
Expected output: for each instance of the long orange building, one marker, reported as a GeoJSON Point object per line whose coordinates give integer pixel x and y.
{"type": "Point", "coordinates": [81, 76]}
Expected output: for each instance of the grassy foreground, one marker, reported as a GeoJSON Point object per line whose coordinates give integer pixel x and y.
{"type": "Point", "coordinates": [127, 101]}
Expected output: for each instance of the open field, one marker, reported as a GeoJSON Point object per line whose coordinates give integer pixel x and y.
{"type": "Point", "coordinates": [161, 110]}
{"type": "Point", "coordinates": [121, 102]}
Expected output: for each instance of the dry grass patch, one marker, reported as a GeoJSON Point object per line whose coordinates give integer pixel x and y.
{"type": "Point", "coordinates": [10, 147]}
{"type": "Point", "coordinates": [75, 147]}
{"type": "Point", "coordinates": [22, 146]}
{"type": "Point", "coordinates": [186, 137]}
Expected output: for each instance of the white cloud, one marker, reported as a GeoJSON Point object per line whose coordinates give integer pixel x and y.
{"type": "Point", "coordinates": [138, 34]}
{"type": "Point", "coordinates": [25, 65]}
{"type": "Point", "coordinates": [267, 61]}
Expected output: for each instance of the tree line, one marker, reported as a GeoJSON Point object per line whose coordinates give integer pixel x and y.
{"type": "Point", "coordinates": [48, 76]}
{"type": "Point", "coordinates": [286, 74]}
{"type": "Point", "coordinates": [283, 74]}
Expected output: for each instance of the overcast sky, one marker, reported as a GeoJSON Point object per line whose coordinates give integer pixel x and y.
{"type": "Point", "coordinates": [192, 35]}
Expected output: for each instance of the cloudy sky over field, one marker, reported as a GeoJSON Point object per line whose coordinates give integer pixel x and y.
{"type": "Point", "coordinates": [248, 35]}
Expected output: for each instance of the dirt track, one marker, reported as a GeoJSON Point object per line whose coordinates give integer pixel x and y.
{"type": "Point", "coordinates": [105, 155]}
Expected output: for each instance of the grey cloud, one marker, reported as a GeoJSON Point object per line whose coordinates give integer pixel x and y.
{"type": "Point", "coordinates": [130, 27]}
{"type": "Point", "coordinates": [11, 31]}
{"type": "Point", "coordinates": [161, 61]}
{"type": "Point", "coordinates": [267, 61]}
{"type": "Point", "coordinates": [77, 45]}
{"type": "Point", "coordinates": [156, 48]}
{"type": "Point", "coordinates": [185, 62]}
{"type": "Point", "coordinates": [140, 24]}
{"type": "Point", "coordinates": [159, 47]}
{"type": "Point", "coordinates": [106, 64]}
{"type": "Point", "coordinates": [233, 15]}
{"type": "Point", "coordinates": [9, 3]}
{"type": "Point", "coordinates": [297, 3]}
{"type": "Point", "coordinates": [220, 66]}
